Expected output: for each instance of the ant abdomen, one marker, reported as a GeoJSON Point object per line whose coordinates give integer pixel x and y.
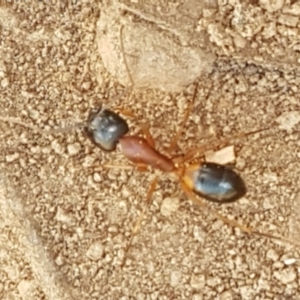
{"type": "Point", "coordinates": [105, 128]}
{"type": "Point", "coordinates": [215, 182]}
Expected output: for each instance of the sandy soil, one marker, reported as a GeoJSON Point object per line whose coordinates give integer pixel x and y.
{"type": "Point", "coordinates": [66, 219]}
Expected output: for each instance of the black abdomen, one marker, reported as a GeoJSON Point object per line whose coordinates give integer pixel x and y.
{"type": "Point", "coordinates": [218, 183]}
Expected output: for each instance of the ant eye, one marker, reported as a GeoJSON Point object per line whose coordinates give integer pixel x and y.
{"type": "Point", "coordinates": [105, 128]}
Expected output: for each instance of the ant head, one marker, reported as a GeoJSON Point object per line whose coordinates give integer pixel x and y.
{"type": "Point", "coordinates": [105, 128]}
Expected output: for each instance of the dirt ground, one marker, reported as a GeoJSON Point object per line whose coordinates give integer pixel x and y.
{"type": "Point", "coordinates": [66, 219]}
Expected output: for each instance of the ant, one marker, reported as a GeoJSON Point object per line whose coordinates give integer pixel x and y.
{"type": "Point", "coordinates": [210, 181]}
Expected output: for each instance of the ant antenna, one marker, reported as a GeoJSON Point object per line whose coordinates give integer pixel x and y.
{"type": "Point", "coordinates": [127, 90]}
{"type": "Point", "coordinates": [79, 125]}
{"type": "Point", "coordinates": [124, 56]}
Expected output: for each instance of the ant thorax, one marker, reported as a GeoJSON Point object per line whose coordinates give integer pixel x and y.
{"type": "Point", "coordinates": [105, 128]}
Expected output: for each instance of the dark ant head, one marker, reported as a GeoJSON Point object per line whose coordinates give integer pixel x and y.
{"type": "Point", "coordinates": [105, 128]}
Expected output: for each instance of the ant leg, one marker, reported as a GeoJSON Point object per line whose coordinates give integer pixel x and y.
{"type": "Point", "coordinates": [146, 131]}
{"type": "Point", "coordinates": [111, 166]}
{"type": "Point", "coordinates": [139, 167]}
{"type": "Point", "coordinates": [178, 134]}
{"type": "Point", "coordinates": [214, 142]}
{"type": "Point", "coordinates": [137, 225]}
{"type": "Point", "coordinates": [144, 127]}
{"type": "Point", "coordinates": [125, 112]}
{"type": "Point", "coordinates": [197, 200]}
{"type": "Point", "coordinates": [233, 223]}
